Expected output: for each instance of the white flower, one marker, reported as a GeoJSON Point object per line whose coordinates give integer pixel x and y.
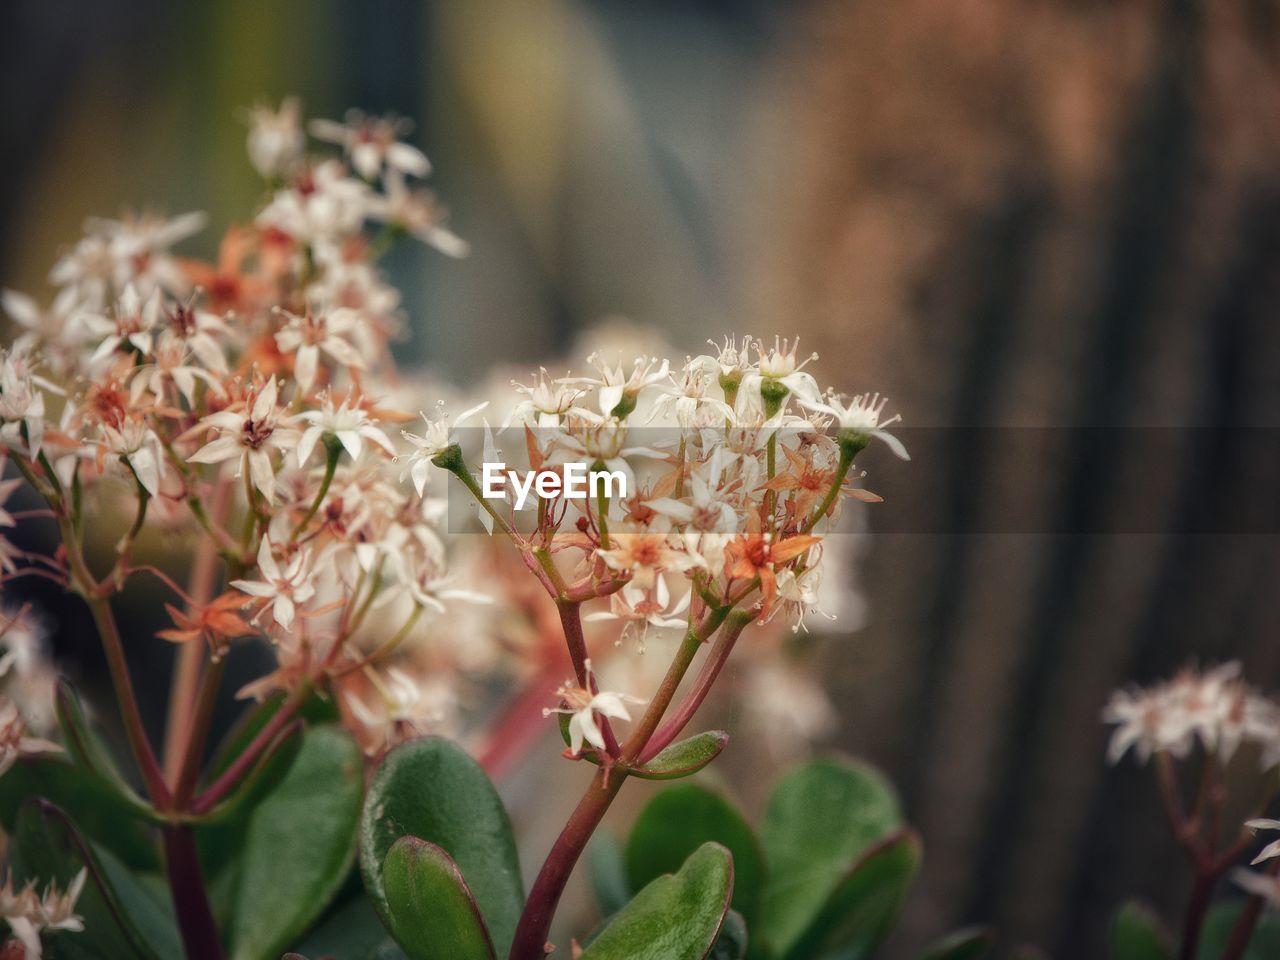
{"type": "Point", "coordinates": [1270, 850]}
{"type": "Point", "coordinates": [318, 331]}
{"type": "Point", "coordinates": [371, 142]}
{"type": "Point", "coordinates": [640, 609]}
{"type": "Point", "coordinates": [21, 403]}
{"type": "Point", "coordinates": [130, 325]}
{"type": "Point", "coordinates": [321, 204]}
{"type": "Point", "coordinates": [285, 589]}
{"type": "Point", "coordinates": [418, 213]}
{"type": "Point", "coordinates": [861, 416]}
{"type": "Point", "coordinates": [689, 401]}
{"type": "Point", "coordinates": [349, 423]}
{"type": "Point", "coordinates": [546, 401]}
{"type": "Point", "coordinates": [583, 706]}
{"type": "Point", "coordinates": [137, 443]}
{"type": "Point", "coordinates": [250, 434]}
{"type": "Point", "coordinates": [27, 914]}
{"type": "Point", "coordinates": [275, 138]}
{"type": "Point", "coordinates": [778, 365]}
{"type": "Point", "coordinates": [616, 385]}
{"type": "Point", "coordinates": [432, 442]}
{"type": "Point", "coordinates": [406, 707]}
{"type": "Point", "coordinates": [171, 365]}
{"type": "Point", "coordinates": [14, 742]}
{"type": "Point", "coordinates": [1259, 885]}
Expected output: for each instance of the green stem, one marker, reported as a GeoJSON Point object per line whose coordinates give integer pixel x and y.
{"type": "Point", "coordinates": [333, 450]}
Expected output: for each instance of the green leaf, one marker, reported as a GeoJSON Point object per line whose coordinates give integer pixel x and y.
{"type": "Point", "coordinates": [677, 822]}
{"type": "Point", "coordinates": [676, 917]}
{"type": "Point", "coordinates": [732, 942]}
{"type": "Point", "coordinates": [820, 819]}
{"type": "Point", "coordinates": [684, 757]}
{"type": "Point", "coordinates": [607, 870]}
{"type": "Point", "coordinates": [861, 910]}
{"type": "Point", "coordinates": [433, 914]}
{"type": "Point", "coordinates": [126, 919]}
{"type": "Point", "coordinates": [680, 759]}
{"type": "Point", "coordinates": [1265, 944]}
{"type": "Point", "coordinates": [431, 789]}
{"type": "Point", "coordinates": [1136, 934]}
{"type": "Point", "coordinates": [95, 809]}
{"type": "Point", "coordinates": [263, 777]}
{"type": "Point", "coordinates": [352, 932]}
{"type": "Point", "coordinates": [298, 844]}
{"type": "Point", "coordinates": [969, 944]}
{"type": "Point", "coordinates": [88, 754]}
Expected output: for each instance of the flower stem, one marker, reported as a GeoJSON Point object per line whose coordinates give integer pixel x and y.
{"type": "Point", "coordinates": [190, 903]}
{"type": "Point", "coordinates": [1247, 920]}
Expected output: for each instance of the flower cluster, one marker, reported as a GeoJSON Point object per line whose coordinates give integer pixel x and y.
{"type": "Point", "coordinates": [28, 913]}
{"type": "Point", "coordinates": [1214, 708]}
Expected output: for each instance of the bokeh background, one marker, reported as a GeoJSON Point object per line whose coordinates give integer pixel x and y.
{"type": "Point", "coordinates": [1049, 230]}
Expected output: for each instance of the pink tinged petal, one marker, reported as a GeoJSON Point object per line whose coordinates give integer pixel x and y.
{"type": "Point", "coordinates": [408, 158]}
{"type": "Point", "coordinates": [894, 444]}
{"type": "Point", "coordinates": [304, 365]}
{"type": "Point", "coordinates": [330, 131]}
{"type": "Point", "coordinates": [343, 352]}
{"type": "Point", "coordinates": [105, 349]}
{"type": "Point", "coordinates": [263, 476]}
{"type": "Point", "coordinates": [366, 159]}
{"type": "Point", "coordinates": [283, 610]}
{"type": "Point", "coordinates": [351, 442]}
{"type": "Point", "coordinates": [419, 473]}
{"type": "Point", "coordinates": [255, 588]}
{"type": "Point", "coordinates": [267, 562]}
{"type": "Point", "coordinates": [224, 448]}
{"type": "Point", "coordinates": [265, 404]}
{"type": "Point", "coordinates": [21, 308]}
{"type": "Point", "coordinates": [147, 468]}
{"type": "Point", "coordinates": [308, 443]}
{"type": "Point", "coordinates": [1270, 851]}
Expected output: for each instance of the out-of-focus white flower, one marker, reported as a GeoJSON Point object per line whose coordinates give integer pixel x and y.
{"type": "Point", "coordinates": [283, 589]}
{"type": "Point", "coordinates": [133, 250]}
{"type": "Point", "coordinates": [348, 422]}
{"type": "Point", "coordinates": [1259, 885]}
{"type": "Point", "coordinates": [1215, 708]}
{"type": "Point", "coordinates": [640, 609]}
{"type": "Point", "coordinates": [417, 213]}
{"type": "Point", "coordinates": [131, 324]}
{"type": "Point", "coordinates": [28, 913]}
{"type": "Point", "coordinates": [1271, 849]}
{"type": "Point", "coordinates": [134, 442]}
{"type": "Point", "coordinates": [786, 705]}
{"type": "Point", "coordinates": [321, 204]}
{"type": "Point", "coordinates": [405, 707]}
{"type": "Point", "coordinates": [275, 139]}
{"type": "Point", "coordinates": [250, 434]}
{"type": "Point", "coordinates": [583, 706]}
{"type": "Point", "coordinates": [21, 403]}
{"type": "Point", "coordinates": [171, 365]}
{"type": "Point", "coordinates": [371, 142]}
{"type": "Point", "coordinates": [14, 742]}
{"type": "Point", "coordinates": [861, 416]}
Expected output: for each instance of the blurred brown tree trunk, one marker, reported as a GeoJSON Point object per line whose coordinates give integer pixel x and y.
{"type": "Point", "coordinates": [1038, 214]}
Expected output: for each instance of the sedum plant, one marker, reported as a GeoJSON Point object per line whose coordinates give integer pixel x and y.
{"type": "Point", "coordinates": [233, 434]}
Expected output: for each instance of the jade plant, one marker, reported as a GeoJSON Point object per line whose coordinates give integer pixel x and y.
{"type": "Point", "coordinates": [219, 456]}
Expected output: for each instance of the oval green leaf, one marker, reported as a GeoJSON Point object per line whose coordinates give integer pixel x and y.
{"type": "Point", "coordinates": [684, 757]}
{"type": "Point", "coordinates": [681, 819]}
{"type": "Point", "coordinates": [126, 920]}
{"type": "Point", "coordinates": [1136, 934]}
{"type": "Point", "coordinates": [352, 932]}
{"type": "Point", "coordinates": [431, 789]}
{"type": "Point", "coordinates": [298, 844]}
{"type": "Point", "coordinates": [861, 909]}
{"type": "Point", "coordinates": [88, 753]}
{"type": "Point", "coordinates": [676, 917]}
{"type": "Point", "coordinates": [820, 819]}
{"type": "Point", "coordinates": [968, 944]}
{"type": "Point", "coordinates": [607, 871]}
{"type": "Point", "coordinates": [96, 810]}
{"type": "Point", "coordinates": [433, 914]}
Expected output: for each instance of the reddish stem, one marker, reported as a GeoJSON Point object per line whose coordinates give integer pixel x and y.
{"type": "Point", "coordinates": [190, 903]}
{"type": "Point", "coordinates": [1242, 932]}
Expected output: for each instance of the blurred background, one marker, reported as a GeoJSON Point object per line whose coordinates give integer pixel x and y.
{"type": "Point", "coordinates": [1049, 230]}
